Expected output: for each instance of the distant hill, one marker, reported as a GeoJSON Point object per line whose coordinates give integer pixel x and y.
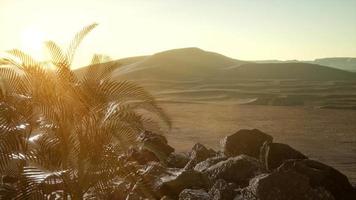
{"type": "Point", "coordinates": [338, 62]}
{"type": "Point", "coordinates": [192, 64]}
{"type": "Point", "coordinates": [297, 71]}
{"type": "Point", "coordinates": [344, 63]}
{"type": "Point", "coordinates": [179, 64]}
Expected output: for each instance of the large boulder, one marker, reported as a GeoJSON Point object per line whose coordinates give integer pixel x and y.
{"type": "Point", "coordinates": [199, 153]}
{"type": "Point", "coordinates": [156, 143]}
{"type": "Point", "coordinates": [174, 183]}
{"type": "Point", "coordinates": [204, 165]}
{"type": "Point", "coordinates": [246, 142]}
{"type": "Point", "coordinates": [321, 175]}
{"type": "Point", "coordinates": [238, 170]}
{"type": "Point", "coordinates": [177, 160]}
{"type": "Point", "coordinates": [189, 194]}
{"type": "Point", "coordinates": [281, 186]}
{"type": "Point", "coordinates": [141, 156]}
{"type": "Point", "coordinates": [274, 154]}
{"type": "Point", "coordinates": [222, 190]}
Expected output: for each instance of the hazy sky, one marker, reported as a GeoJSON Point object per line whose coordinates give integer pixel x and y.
{"type": "Point", "coordinates": [243, 29]}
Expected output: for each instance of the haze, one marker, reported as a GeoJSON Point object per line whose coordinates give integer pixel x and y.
{"type": "Point", "coordinates": [243, 29]}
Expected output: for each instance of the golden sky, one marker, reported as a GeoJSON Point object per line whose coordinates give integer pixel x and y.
{"type": "Point", "coordinates": [242, 29]}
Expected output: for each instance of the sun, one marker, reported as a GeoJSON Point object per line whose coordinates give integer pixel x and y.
{"type": "Point", "coordinates": [32, 40]}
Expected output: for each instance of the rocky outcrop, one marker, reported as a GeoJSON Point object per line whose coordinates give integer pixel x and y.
{"type": "Point", "coordinates": [189, 194]}
{"type": "Point", "coordinates": [247, 142]}
{"type": "Point", "coordinates": [251, 167]}
{"type": "Point", "coordinates": [204, 165]}
{"type": "Point", "coordinates": [155, 143]}
{"type": "Point", "coordinates": [281, 186]}
{"type": "Point", "coordinates": [274, 154]}
{"type": "Point", "coordinates": [222, 190]}
{"type": "Point", "coordinates": [174, 183]}
{"type": "Point", "coordinates": [142, 156]}
{"type": "Point", "coordinates": [239, 170]}
{"type": "Point", "coordinates": [322, 176]}
{"type": "Point", "coordinates": [199, 153]}
{"type": "Point", "coordinates": [177, 160]}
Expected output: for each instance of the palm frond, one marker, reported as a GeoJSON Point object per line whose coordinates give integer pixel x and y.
{"type": "Point", "coordinates": [77, 40]}
{"type": "Point", "coordinates": [56, 53]}
{"type": "Point", "coordinates": [25, 58]}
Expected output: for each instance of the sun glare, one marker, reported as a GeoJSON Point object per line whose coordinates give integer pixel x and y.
{"type": "Point", "coordinates": [32, 42]}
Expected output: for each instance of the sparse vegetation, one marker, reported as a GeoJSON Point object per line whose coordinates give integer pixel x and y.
{"type": "Point", "coordinates": [61, 132]}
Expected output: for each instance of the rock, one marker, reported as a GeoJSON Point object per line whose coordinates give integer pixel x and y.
{"type": "Point", "coordinates": [143, 190]}
{"type": "Point", "coordinates": [246, 142]}
{"type": "Point", "coordinates": [120, 191]}
{"type": "Point", "coordinates": [274, 154]}
{"type": "Point", "coordinates": [177, 160]}
{"type": "Point", "coordinates": [189, 194]}
{"type": "Point", "coordinates": [173, 184]}
{"type": "Point", "coordinates": [280, 186]}
{"type": "Point", "coordinates": [141, 156]}
{"type": "Point", "coordinates": [222, 190]}
{"type": "Point", "coordinates": [166, 198]}
{"type": "Point", "coordinates": [238, 170]}
{"type": "Point", "coordinates": [322, 176]}
{"type": "Point", "coordinates": [148, 135]}
{"type": "Point", "coordinates": [155, 143]}
{"type": "Point", "coordinates": [152, 171]}
{"type": "Point", "coordinates": [199, 153]}
{"type": "Point", "coordinates": [202, 166]}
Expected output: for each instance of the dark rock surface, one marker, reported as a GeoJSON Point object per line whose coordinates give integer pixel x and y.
{"type": "Point", "coordinates": [321, 175]}
{"type": "Point", "coordinates": [142, 156]}
{"type": "Point", "coordinates": [274, 154]}
{"type": "Point", "coordinates": [204, 165]}
{"type": "Point", "coordinates": [239, 170]}
{"type": "Point", "coordinates": [174, 183]}
{"type": "Point", "coordinates": [177, 160]}
{"type": "Point", "coordinates": [189, 194]}
{"type": "Point", "coordinates": [199, 153]}
{"type": "Point", "coordinates": [250, 167]}
{"type": "Point", "coordinates": [246, 142]}
{"type": "Point", "coordinates": [156, 143]}
{"type": "Point", "coordinates": [281, 186]}
{"type": "Point", "coordinates": [222, 190]}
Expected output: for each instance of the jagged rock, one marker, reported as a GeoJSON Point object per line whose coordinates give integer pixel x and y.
{"type": "Point", "coordinates": [202, 166]}
{"type": "Point", "coordinates": [155, 143]}
{"type": "Point", "coordinates": [189, 194]}
{"type": "Point", "coordinates": [142, 156]}
{"type": "Point", "coordinates": [143, 190]}
{"type": "Point", "coordinates": [199, 153]}
{"type": "Point", "coordinates": [238, 170]}
{"type": "Point", "coordinates": [246, 142]}
{"type": "Point", "coordinates": [153, 170]}
{"type": "Point", "coordinates": [321, 175]}
{"type": "Point", "coordinates": [174, 183]}
{"type": "Point", "coordinates": [222, 190]}
{"type": "Point", "coordinates": [274, 154]}
{"type": "Point", "coordinates": [177, 160]}
{"type": "Point", "coordinates": [281, 186]}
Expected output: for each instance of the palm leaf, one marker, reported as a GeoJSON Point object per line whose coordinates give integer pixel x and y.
{"type": "Point", "coordinates": [77, 40]}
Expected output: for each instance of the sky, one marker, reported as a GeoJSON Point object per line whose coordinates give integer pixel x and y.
{"type": "Point", "coordinates": [242, 29]}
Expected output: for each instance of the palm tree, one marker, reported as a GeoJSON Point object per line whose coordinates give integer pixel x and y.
{"type": "Point", "coordinates": [63, 130]}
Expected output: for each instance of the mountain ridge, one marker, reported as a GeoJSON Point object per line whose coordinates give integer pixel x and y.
{"type": "Point", "coordinates": [187, 64]}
